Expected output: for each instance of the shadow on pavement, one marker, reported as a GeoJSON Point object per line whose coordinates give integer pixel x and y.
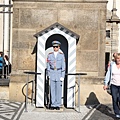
{"type": "Point", "coordinates": [99, 111]}
{"type": "Point", "coordinates": [107, 113]}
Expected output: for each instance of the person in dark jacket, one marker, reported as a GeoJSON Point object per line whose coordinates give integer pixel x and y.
{"type": "Point", "coordinates": [7, 67]}
{"type": "Point", "coordinates": [1, 63]}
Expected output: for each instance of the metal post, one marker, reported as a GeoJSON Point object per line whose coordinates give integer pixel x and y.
{"type": "Point", "coordinates": [32, 92]}
{"type": "Point", "coordinates": [3, 36]}
{"type": "Point", "coordinates": [78, 93]}
{"type": "Point", "coordinates": [26, 101]}
{"type": "Point", "coordinates": [9, 38]}
{"type": "Point", "coordinates": [49, 99]}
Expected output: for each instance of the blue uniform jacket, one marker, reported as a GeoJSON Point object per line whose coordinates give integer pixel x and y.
{"type": "Point", "coordinates": [56, 66]}
{"type": "Point", "coordinates": [108, 76]}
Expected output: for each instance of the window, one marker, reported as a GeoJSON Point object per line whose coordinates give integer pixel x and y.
{"type": "Point", "coordinates": [108, 33]}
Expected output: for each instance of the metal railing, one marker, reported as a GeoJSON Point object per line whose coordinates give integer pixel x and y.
{"type": "Point", "coordinates": [78, 83]}
{"type": "Point", "coordinates": [27, 82]}
{"type": "Point", "coordinates": [32, 95]}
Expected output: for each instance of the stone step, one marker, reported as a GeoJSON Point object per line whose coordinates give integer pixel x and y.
{"type": "Point", "coordinates": [4, 92]}
{"type": "Point", "coordinates": [4, 89]}
{"type": "Point", "coordinates": [4, 82]}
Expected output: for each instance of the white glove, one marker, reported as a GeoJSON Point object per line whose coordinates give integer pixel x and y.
{"type": "Point", "coordinates": [61, 79]}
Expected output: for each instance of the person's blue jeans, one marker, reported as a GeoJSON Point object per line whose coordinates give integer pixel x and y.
{"type": "Point", "coordinates": [0, 73]}
{"type": "Point", "coordinates": [115, 92]}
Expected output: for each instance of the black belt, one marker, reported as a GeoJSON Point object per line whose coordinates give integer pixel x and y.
{"type": "Point", "coordinates": [56, 68]}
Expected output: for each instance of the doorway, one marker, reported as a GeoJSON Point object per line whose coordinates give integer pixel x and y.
{"type": "Point", "coordinates": [107, 59]}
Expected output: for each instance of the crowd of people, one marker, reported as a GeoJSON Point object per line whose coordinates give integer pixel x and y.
{"type": "Point", "coordinates": [5, 65]}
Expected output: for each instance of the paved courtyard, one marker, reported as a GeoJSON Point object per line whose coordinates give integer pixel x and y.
{"type": "Point", "coordinates": [17, 111]}
{"type": "Point", "coordinates": [62, 114]}
{"type": "Point", "coordinates": [10, 110]}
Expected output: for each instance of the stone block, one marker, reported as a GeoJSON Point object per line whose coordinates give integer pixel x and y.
{"type": "Point", "coordinates": [15, 36]}
{"type": "Point", "coordinates": [15, 59]}
{"type": "Point", "coordinates": [88, 40]}
{"type": "Point", "coordinates": [23, 60]}
{"type": "Point", "coordinates": [4, 92]}
{"type": "Point", "coordinates": [26, 60]}
{"type": "Point", "coordinates": [87, 61]}
{"type": "Point", "coordinates": [28, 18]}
{"type": "Point", "coordinates": [102, 54]}
{"type": "Point", "coordinates": [24, 35]}
{"type": "Point", "coordinates": [66, 17]}
{"type": "Point", "coordinates": [94, 1]}
{"type": "Point", "coordinates": [93, 94]}
{"type": "Point", "coordinates": [25, 4]}
{"type": "Point", "coordinates": [102, 19]}
{"type": "Point", "coordinates": [91, 91]}
{"type": "Point", "coordinates": [86, 19]}
{"type": "Point", "coordinates": [16, 18]}
{"type": "Point", "coordinates": [15, 91]}
{"type": "Point", "coordinates": [17, 87]}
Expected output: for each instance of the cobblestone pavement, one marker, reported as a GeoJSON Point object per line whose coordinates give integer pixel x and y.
{"type": "Point", "coordinates": [102, 112]}
{"type": "Point", "coordinates": [10, 110]}
{"type": "Point", "coordinates": [46, 114]}
{"type": "Point", "coordinates": [17, 111]}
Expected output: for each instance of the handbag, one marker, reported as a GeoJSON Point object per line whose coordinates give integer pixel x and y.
{"type": "Point", "coordinates": [109, 90]}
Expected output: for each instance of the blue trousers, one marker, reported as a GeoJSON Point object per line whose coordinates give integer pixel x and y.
{"type": "Point", "coordinates": [115, 91]}
{"type": "Point", "coordinates": [56, 93]}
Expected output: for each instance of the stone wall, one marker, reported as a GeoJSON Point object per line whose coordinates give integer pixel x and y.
{"type": "Point", "coordinates": [85, 17]}
{"type": "Point", "coordinates": [4, 93]}
{"type": "Point", "coordinates": [91, 91]}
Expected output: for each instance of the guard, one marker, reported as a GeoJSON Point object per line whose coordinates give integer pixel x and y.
{"type": "Point", "coordinates": [56, 74]}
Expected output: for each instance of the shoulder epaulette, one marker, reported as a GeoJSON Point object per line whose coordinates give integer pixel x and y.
{"type": "Point", "coordinates": [50, 52]}
{"type": "Point", "coordinates": [60, 52]}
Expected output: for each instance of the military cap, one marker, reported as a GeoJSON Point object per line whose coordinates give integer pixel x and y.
{"type": "Point", "coordinates": [56, 43]}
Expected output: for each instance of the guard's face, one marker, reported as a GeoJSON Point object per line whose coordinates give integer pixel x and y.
{"type": "Point", "coordinates": [56, 48]}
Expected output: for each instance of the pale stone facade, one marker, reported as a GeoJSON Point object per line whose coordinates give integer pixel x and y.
{"type": "Point", "coordinates": [112, 32]}
{"type": "Point", "coordinates": [1, 27]}
{"type": "Point", "coordinates": [87, 18]}
{"type": "Point", "coordinates": [112, 42]}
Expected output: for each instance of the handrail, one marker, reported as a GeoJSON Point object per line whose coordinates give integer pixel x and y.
{"type": "Point", "coordinates": [26, 98]}
{"type": "Point", "coordinates": [31, 72]}
{"type": "Point", "coordinates": [78, 74]}
{"type": "Point", "coordinates": [24, 87]}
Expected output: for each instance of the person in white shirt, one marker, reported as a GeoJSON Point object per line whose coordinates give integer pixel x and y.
{"type": "Point", "coordinates": [113, 78]}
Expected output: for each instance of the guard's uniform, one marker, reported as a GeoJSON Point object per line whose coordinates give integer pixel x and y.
{"type": "Point", "coordinates": [56, 70]}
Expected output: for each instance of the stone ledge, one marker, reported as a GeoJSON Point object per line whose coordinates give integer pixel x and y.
{"type": "Point", "coordinates": [4, 82]}
{"type": "Point", "coordinates": [91, 80]}
{"type": "Point", "coordinates": [74, 1]}
{"type": "Point", "coordinates": [83, 80]}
